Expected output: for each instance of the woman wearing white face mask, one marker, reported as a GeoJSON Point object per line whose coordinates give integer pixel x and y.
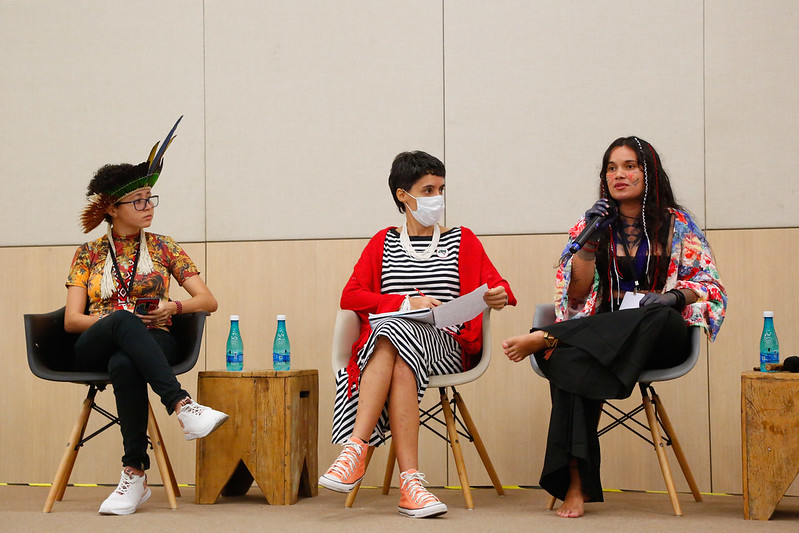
{"type": "Point", "coordinates": [420, 265]}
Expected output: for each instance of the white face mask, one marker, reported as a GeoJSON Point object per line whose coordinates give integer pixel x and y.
{"type": "Point", "coordinates": [428, 209]}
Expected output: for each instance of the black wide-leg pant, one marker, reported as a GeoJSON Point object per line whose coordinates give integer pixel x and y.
{"type": "Point", "coordinates": [135, 356]}
{"type": "Point", "coordinates": [597, 358]}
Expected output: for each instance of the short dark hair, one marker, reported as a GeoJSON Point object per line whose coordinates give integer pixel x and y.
{"type": "Point", "coordinates": [406, 170]}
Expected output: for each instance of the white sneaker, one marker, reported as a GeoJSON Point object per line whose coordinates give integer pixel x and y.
{"type": "Point", "coordinates": [199, 421]}
{"type": "Point", "coordinates": [129, 494]}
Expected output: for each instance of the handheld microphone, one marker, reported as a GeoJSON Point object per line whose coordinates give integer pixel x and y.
{"type": "Point", "coordinates": [591, 227]}
{"type": "Point", "coordinates": [791, 364]}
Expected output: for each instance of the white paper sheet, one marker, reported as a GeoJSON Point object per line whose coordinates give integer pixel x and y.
{"type": "Point", "coordinates": [461, 310]}
{"type": "Point", "coordinates": [631, 300]}
{"type": "Point", "coordinates": [452, 313]}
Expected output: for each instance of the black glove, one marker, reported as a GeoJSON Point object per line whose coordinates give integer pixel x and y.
{"type": "Point", "coordinates": [668, 299]}
{"type": "Point", "coordinates": [601, 208]}
{"type": "Point", "coordinates": [673, 298]}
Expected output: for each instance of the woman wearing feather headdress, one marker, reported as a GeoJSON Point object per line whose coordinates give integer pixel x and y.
{"type": "Point", "coordinates": [107, 278]}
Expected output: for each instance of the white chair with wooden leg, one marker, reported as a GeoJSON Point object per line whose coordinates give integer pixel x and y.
{"type": "Point", "coordinates": [457, 419]}
{"type": "Point", "coordinates": [651, 405]}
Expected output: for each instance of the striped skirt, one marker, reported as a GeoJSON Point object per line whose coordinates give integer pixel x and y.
{"type": "Point", "coordinates": [429, 351]}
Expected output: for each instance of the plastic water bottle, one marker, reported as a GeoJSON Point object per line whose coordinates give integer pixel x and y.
{"type": "Point", "coordinates": [281, 350]}
{"type": "Point", "coordinates": [769, 345]}
{"type": "Point", "coordinates": [234, 360]}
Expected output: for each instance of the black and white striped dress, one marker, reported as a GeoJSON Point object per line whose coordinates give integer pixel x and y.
{"type": "Point", "coordinates": [429, 351]}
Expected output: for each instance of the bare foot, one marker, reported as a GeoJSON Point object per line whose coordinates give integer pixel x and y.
{"type": "Point", "coordinates": [519, 347]}
{"type": "Point", "coordinates": [573, 506]}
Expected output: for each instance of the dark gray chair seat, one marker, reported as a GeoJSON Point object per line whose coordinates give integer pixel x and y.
{"type": "Point", "coordinates": [656, 416]}
{"type": "Point", "coordinates": [50, 348]}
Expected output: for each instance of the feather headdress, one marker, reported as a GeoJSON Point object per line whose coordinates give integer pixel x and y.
{"type": "Point", "coordinates": [94, 213]}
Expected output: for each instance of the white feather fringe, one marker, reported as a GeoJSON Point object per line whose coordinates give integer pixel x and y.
{"type": "Point", "coordinates": [145, 266]}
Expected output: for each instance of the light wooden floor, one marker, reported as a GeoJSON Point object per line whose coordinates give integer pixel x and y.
{"type": "Point", "coordinates": [518, 510]}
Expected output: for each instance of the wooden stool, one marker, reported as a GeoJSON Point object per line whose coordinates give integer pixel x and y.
{"type": "Point", "coordinates": [271, 436]}
{"type": "Point", "coordinates": [770, 438]}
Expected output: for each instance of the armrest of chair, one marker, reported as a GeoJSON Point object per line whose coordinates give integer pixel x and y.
{"type": "Point", "coordinates": [188, 331]}
{"type": "Point", "coordinates": [48, 345]}
{"type": "Point", "coordinates": [544, 316]}
{"type": "Point", "coordinates": [345, 333]}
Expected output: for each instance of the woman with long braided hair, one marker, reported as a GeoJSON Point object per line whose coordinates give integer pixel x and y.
{"type": "Point", "coordinates": [623, 302]}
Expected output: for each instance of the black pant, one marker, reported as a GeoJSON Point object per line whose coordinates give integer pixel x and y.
{"type": "Point", "coordinates": [600, 357]}
{"type": "Point", "coordinates": [134, 356]}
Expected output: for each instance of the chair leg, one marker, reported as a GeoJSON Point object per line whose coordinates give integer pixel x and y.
{"type": "Point", "coordinates": [351, 496]}
{"type": "Point", "coordinates": [551, 503]}
{"type": "Point", "coordinates": [661, 453]}
{"type": "Point", "coordinates": [71, 453]}
{"type": "Point", "coordinates": [456, 449]}
{"type": "Point", "coordinates": [162, 458]}
{"type": "Point", "coordinates": [675, 445]}
{"type": "Point", "coordinates": [392, 458]}
{"type": "Point", "coordinates": [478, 442]}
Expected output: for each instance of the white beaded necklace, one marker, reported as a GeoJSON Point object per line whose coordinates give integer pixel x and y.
{"type": "Point", "coordinates": [427, 253]}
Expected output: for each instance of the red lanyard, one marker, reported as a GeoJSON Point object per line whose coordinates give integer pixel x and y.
{"type": "Point", "coordinates": [124, 291]}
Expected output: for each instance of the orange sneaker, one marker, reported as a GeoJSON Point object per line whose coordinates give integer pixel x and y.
{"type": "Point", "coordinates": [347, 471]}
{"type": "Point", "coordinates": [415, 500]}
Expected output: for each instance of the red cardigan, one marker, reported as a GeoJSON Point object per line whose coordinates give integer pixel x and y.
{"type": "Point", "coordinates": [362, 295]}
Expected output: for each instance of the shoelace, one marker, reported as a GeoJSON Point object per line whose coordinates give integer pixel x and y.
{"type": "Point", "coordinates": [193, 408]}
{"type": "Point", "coordinates": [413, 483]}
{"type": "Point", "coordinates": [125, 484]}
{"type": "Point", "coordinates": [346, 462]}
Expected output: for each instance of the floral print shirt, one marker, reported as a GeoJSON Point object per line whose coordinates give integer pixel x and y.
{"type": "Point", "coordinates": [691, 267]}
{"type": "Point", "coordinates": [168, 259]}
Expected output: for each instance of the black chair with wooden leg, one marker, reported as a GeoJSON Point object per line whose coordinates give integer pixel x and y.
{"type": "Point", "coordinates": [652, 406]}
{"type": "Point", "coordinates": [49, 347]}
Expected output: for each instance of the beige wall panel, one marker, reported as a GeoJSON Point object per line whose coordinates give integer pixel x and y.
{"type": "Point", "coordinates": [42, 413]}
{"type": "Point", "coordinates": [308, 103]}
{"type": "Point", "coordinates": [751, 108]}
{"type": "Point", "coordinates": [91, 82]}
{"type": "Point", "coordinates": [536, 91]}
{"type": "Point", "coordinates": [39, 414]}
{"type": "Point", "coordinates": [753, 266]}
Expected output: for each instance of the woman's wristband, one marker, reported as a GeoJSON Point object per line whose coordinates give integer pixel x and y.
{"type": "Point", "coordinates": [588, 251]}
{"type": "Point", "coordinates": [679, 305]}
{"type": "Point", "coordinates": [591, 247]}
{"type": "Point", "coordinates": [179, 307]}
